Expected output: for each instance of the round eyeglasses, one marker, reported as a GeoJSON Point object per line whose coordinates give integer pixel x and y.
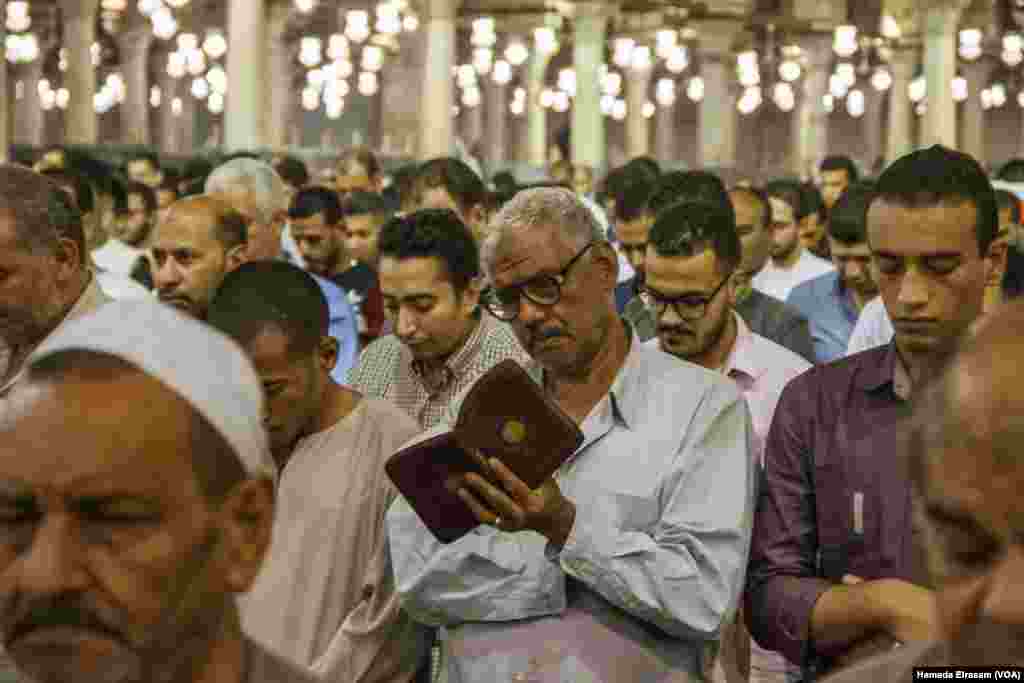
{"type": "Point", "coordinates": [543, 290]}
{"type": "Point", "coordinates": [687, 307]}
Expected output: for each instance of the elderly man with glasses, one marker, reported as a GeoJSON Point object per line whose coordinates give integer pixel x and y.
{"type": "Point", "coordinates": [626, 564]}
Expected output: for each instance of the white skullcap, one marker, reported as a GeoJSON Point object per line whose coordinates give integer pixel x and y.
{"type": "Point", "coordinates": [206, 368]}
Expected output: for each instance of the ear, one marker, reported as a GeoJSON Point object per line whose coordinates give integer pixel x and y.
{"type": "Point", "coordinates": [471, 294]}
{"type": "Point", "coordinates": [68, 258]}
{"type": "Point", "coordinates": [607, 261]}
{"type": "Point", "coordinates": [736, 283]}
{"type": "Point", "coordinates": [248, 518]}
{"type": "Point", "coordinates": [327, 353]}
{"type": "Point", "coordinates": [235, 257]}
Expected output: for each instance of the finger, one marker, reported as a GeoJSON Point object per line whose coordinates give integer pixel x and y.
{"type": "Point", "coordinates": [513, 484]}
{"type": "Point", "coordinates": [482, 514]}
{"type": "Point", "coordinates": [495, 498]}
{"type": "Point", "coordinates": [851, 580]}
{"type": "Point", "coordinates": [480, 460]}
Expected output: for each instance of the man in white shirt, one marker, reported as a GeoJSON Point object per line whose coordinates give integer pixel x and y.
{"type": "Point", "coordinates": [790, 264]}
{"type": "Point", "coordinates": [136, 217]}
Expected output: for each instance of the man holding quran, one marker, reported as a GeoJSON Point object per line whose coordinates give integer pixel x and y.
{"type": "Point", "coordinates": [623, 561]}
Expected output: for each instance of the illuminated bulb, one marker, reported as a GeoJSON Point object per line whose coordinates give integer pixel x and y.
{"type": "Point", "coordinates": [502, 72]}
{"type": "Point", "coordinates": [410, 22]}
{"type": "Point", "coordinates": [783, 96]}
{"type": "Point", "coordinates": [156, 96]}
{"type": "Point", "coordinates": [1020, 98]}
{"type": "Point", "coordinates": [567, 81]}
{"type": "Point", "coordinates": [648, 110]}
{"type": "Point", "coordinates": [547, 98]}
{"type": "Point", "coordinates": [310, 51]}
{"type": "Point", "coordinates": [18, 17]}
{"type": "Point", "coordinates": [561, 102]}
{"type": "Point", "coordinates": [837, 86]}
{"type": "Point", "coordinates": [619, 110]}
{"type": "Point", "coordinates": [305, 6]}
{"type": "Point", "coordinates": [148, 7]}
{"type": "Point", "coordinates": [748, 69]}
{"type": "Point", "coordinates": [216, 45]}
{"type": "Point", "coordinates": [790, 71]}
{"type": "Point", "coordinates": [545, 41]}
{"type": "Point", "coordinates": [665, 92]}
{"type": "Point", "coordinates": [334, 108]}
{"type": "Point", "coordinates": [970, 44]}
{"type": "Point", "coordinates": [310, 99]}
{"type": "Point", "coordinates": [829, 103]}
{"type": "Point", "coordinates": [959, 89]}
{"type": "Point", "coordinates": [187, 42]}
{"type": "Point", "coordinates": [750, 100]}
{"type": "Point", "coordinates": [844, 42]}
{"type": "Point", "coordinates": [881, 80]}
{"type": "Point", "coordinates": [200, 88]}
{"type": "Point", "coordinates": [890, 28]}
{"type": "Point", "coordinates": [196, 62]}
{"type": "Point", "coordinates": [516, 53]}
{"type": "Point", "coordinates": [373, 58]}
{"type": "Point", "coordinates": [367, 84]}
{"type": "Point", "coordinates": [998, 95]}
{"type": "Point", "coordinates": [343, 68]}
{"type": "Point", "coordinates": [641, 58]}
{"type": "Point", "coordinates": [847, 73]}
{"type": "Point", "coordinates": [517, 107]}
{"type": "Point", "coordinates": [176, 65]}
{"type": "Point", "coordinates": [612, 84]}
{"type": "Point", "coordinates": [918, 89]}
{"type": "Point", "coordinates": [471, 97]}
{"type": "Point", "coordinates": [678, 59]}
{"type": "Point", "coordinates": [986, 98]}
{"type": "Point", "coordinates": [695, 89]}
{"type": "Point", "coordinates": [465, 76]}
{"type": "Point", "coordinates": [607, 104]}
{"type": "Point", "coordinates": [176, 106]}
{"type": "Point", "coordinates": [218, 79]}
{"type": "Point", "coordinates": [622, 52]}
{"type": "Point", "coordinates": [215, 103]}
{"type": "Point", "coordinates": [665, 40]}
{"type": "Point", "coordinates": [483, 60]}
{"type": "Point", "coordinates": [855, 103]}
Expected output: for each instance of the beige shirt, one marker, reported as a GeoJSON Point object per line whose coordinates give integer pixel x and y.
{"type": "Point", "coordinates": [92, 298]}
{"type": "Point", "coordinates": [325, 598]}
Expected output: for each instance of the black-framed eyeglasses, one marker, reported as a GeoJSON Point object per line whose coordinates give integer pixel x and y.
{"type": "Point", "coordinates": [543, 290]}
{"type": "Point", "coordinates": [687, 307]}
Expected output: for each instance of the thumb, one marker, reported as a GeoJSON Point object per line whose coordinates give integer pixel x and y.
{"type": "Point", "coordinates": [851, 580]}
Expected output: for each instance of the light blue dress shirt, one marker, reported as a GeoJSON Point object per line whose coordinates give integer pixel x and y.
{"type": "Point", "coordinates": [342, 327]}
{"type": "Point", "coordinates": [652, 569]}
{"type": "Point", "coordinates": [830, 310]}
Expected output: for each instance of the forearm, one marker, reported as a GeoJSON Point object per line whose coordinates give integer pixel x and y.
{"type": "Point", "coordinates": [844, 615]}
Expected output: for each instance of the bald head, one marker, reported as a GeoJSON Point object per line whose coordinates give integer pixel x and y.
{"type": "Point", "coordinates": [196, 243]}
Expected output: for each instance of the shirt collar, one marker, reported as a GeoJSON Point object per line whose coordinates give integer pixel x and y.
{"type": "Point", "coordinates": [845, 297]}
{"type": "Point", "coordinates": [890, 371]}
{"type": "Point", "coordinates": [742, 359]}
{"type": "Point", "coordinates": [458, 362]}
{"type": "Point", "coordinates": [623, 393]}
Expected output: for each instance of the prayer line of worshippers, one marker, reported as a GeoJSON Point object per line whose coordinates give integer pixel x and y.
{"type": "Point", "coordinates": [192, 481]}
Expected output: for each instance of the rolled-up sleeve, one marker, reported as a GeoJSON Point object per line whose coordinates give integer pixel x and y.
{"type": "Point", "coordinates": [487, 575]}
{"type": "Point", "coordinates": [685, 574]}
{"type": "Point", "coordinates": [782, 586]}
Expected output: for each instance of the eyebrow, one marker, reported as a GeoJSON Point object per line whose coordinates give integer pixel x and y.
{"type": "Point", "coordinates": [951, 515]}
{"type": "Point", "coordinates": [934, 255]}
{"type": "Point", "coordinates": [411, 297]}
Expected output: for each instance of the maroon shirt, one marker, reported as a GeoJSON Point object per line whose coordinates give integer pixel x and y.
{"type": "Point", "coordinates": [834, 446]}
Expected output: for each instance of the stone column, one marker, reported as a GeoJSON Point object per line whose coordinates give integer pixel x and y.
{"type": "Point", "coordinates": [810, 120]}
{"type": "Point", "coordinates": [28, 111]}
{"type": "Point", "coordinates": [536, 116]}
{"type": "Point", "coordinates": [247, 75]}
{"type": "Point", "coordinates": [169, 131]}
{"type": "Point", "coordinates": [638, 82]}
{"type": "Point", "coordinates": [5, 131]}
{"type": "Point", "coordinates": [588, 138]}
{"type": "Point", "coordinates": [437, 129]}
{"type": "Point", "coordinates": [872, 126]}
{"type": "Point", "coordinates": [133, 43]}
{"type": "Point", "coordinates": [941, 19]}
{"type": "Point", "coordinates": [665, 132]}
{"type": "Point", "coordinates": [899, 142]}
{"type": "Point", "coordinates": [972, 139]}
{"type": "Point", "coordinates": [79, 33]}
{"type": "Point", "coordinates": [186, 122]}
{"type": "Point", "coordinates": [472, 129]}
{"type": "Point", "coordinates": [496, 103]}
{"type": "Point", "coordinates": [279, 75]}
{"type": "Point", "coordinates": [717, 113]}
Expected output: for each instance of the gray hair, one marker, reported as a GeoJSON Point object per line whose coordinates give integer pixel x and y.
{"type": "Point", "coordinates": [255, 176]}
{"type": "Point", "coordinates": [545, 206]}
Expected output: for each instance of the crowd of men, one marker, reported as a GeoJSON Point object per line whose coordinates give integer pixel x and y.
{"type": "Point", "coordinates": [799, 459]}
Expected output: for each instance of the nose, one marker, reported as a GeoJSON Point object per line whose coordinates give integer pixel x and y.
{"type": "Point", "coordinates": [167, 275]}
{"type": "Point", "coordinates": [1003, 600]}
{"type": "Point", "coordinates": [406, 324]}
{"type": "Point", "coordinates": [913, 289]}
{"type": "Point", "coordinates": [52, 563]}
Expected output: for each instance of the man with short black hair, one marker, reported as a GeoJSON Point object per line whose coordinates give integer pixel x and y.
{"type": "Point", "coordinates": [358, 171]}
{"type": "Point", "coordinates": [833, 302]}
{"type": "Point", "coordinates": [837, 173]}
{"type": "Point", "coordinates": [293, 172]}
{"type": "Point", "coordinates": [429, 269]}
{"type": "Point", "coordinates": [317, 224]}
{"type": "Point", "coordinates": [813, 218]}
{"type": "Point", "coordinates": [325, 596]}
{"type": "Point", "coordinates": [447, 183]}
{"type": "Point", "coordinates": [967, 474]}
{"type": "Point", "coordinates": [834, 567]}
{"type": "Point", "coordinates": [632, 221]}
{"type": "Point", "coordinates": [44, 258]}
{"type": "Point", "coordinates": [364, 215]}
{"type": "Point", "coordinates": [136, 216]}
{"type": "Point", "coordinates": [790, 263]}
